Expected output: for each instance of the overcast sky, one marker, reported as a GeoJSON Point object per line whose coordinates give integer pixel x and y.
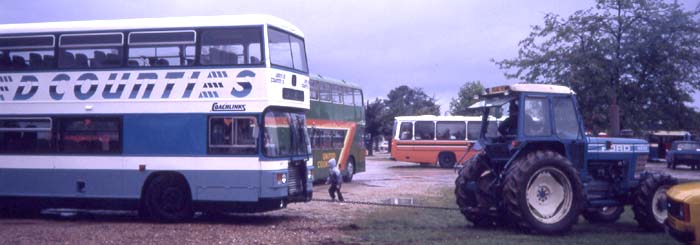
{"type": "Point", "coordinates": [433, 45]}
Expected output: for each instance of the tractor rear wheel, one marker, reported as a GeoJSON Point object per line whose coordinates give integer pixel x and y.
{"type": "Point", "coordinates": [649, 201]}
{"type": "Point", "coordinates": [609, 214]}
{"type": "Point", "coordinates": [543, 193]}
{"type": "Point", "coordinates": [478, 205]}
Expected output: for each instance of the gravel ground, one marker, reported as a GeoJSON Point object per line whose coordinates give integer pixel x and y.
{"type": "Point", "coordinates": [314, 222]}
{"type": "Point", "coordinates": [308, 223]}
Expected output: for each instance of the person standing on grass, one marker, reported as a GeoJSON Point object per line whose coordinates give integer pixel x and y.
{"type": "Point", "coordinates": [335, 180]}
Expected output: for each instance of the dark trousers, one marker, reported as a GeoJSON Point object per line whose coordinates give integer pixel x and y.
{"type": "Point", "coordinates": [335, 189]}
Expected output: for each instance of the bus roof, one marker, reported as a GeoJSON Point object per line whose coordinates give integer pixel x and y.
{"type": "Point", "coordinates": [150, 23]}
{"type": "Point", "coordinates": [319, 77]}
{"type": "Point", "coordinates": [438, 118]}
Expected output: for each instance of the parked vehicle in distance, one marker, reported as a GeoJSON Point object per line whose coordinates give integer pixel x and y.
{"type": "Point", "coordinates": [435, 140]}
{"type": "Point", "coordinates": [336, 126]}
{"type": "Point", "coordinates": [683, 222]}
{"type": "Point", "coordinates": [660, 142]}
{"type": "Point", "coordinates": [384, 146]}
{"type": "Point", "coordinates": [684, 152]}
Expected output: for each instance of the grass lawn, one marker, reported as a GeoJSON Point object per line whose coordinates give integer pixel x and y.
{"type": "Point", "coordinates": [408, 225]}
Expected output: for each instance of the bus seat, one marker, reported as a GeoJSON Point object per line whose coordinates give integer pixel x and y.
{"type": "Point", "coordinates": [81, 60]}
{"type": "Point", "coordinates": [112, 60]}
{"type": "Point", "coordinates": [153, 61]}
{"type": "Point", "coordinates": [5, 61]}
{"type": "Point", "coordinates": [35, 60]}
{"type": "Point", "coordinates": [49, 61]}
{"type": "Point", "coordinates": [254, 60]}
{"type": "Point", "coordinates": [189, 62]}
{"type": "Point", "coordinates": [99, 59]}
{"type": "Point", "coordinates": [231, 58]}
{"type": "Point", "coordinates": [163, 62]}
{"type": "Point", "coordinates": [132, 63]}
{"type": "Point", "coordinates": [66, 59]}
{"type": "Point", "coordinates": [18, 61]}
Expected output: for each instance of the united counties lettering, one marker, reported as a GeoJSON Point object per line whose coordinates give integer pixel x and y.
{"type": "Point", "coordinates": [116, 86]}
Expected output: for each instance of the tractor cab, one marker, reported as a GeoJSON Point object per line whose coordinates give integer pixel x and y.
{"type": "Point", "coordinates": [533, 116]}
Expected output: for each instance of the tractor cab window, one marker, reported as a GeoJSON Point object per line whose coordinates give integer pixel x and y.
{"type": "Point", "coordinates": [565, 122]}
{"type": "Point", "coordinates": [536, 117]}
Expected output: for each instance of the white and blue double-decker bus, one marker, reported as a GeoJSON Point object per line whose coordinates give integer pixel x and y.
{"type": "Point", "coordinates": [166, 115]}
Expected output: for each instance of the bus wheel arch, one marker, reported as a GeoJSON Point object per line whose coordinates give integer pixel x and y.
{"type": "Point", "coordinates": [162, 188]}
{"type": "Point", "coordinates": [446, 159]}
{"type": "Point", "coordinates": [350, 169]}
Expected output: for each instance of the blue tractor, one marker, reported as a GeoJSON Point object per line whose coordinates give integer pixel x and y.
{"type": "Point", "coordinates": [539, 171]}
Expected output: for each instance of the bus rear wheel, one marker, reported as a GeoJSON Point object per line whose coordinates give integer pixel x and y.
{"type": "Point", "coordinates": [446, 160]}
{"type": "Point", "coordinates": [168, 199]}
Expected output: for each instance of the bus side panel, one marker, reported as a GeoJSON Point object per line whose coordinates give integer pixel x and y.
{"type": "Point", "coordinates": [401, 150]}
{"type": "Point", "coordinates": [167, 135]}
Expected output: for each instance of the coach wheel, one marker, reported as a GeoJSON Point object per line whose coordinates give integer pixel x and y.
{"type": "Point", "coordinates": [168, 199]}
{"type": "Point", "coordinates": [446, 160]}
{"type": "Point", "coordinates": [349, 170]}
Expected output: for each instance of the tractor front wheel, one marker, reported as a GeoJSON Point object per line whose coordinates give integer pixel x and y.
{"type": "Point", "coordinates": [649, 202]}
{"type": "Point", "coordinates": [543, 193]}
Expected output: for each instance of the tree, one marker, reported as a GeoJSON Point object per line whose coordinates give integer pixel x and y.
{"type": "Point", "coordinates": [466, 98]}
{"type": "Point", "coordinates": [406, 101]}
{"type": "Point", "coordinates": [632, 62]}
{"type": "Point", "coordinates": [374, 116]}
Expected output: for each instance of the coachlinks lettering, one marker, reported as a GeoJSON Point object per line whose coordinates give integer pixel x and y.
{"type": "Point", "coordinates": [227, 107]}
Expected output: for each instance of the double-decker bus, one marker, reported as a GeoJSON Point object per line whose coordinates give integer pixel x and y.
{"type": "Point", "coordinates": [336, 124]}
{"type": "Point", "coordinates": [435, 140]}
{"type": "Point", "coordinates": [167, 116]}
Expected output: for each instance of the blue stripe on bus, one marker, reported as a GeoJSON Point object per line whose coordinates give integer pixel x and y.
{"type": "Point", "coordinates": [206, 185]}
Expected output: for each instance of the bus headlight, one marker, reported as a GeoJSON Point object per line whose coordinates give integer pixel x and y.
{"type": "Point", "coordinates": [281, 179]}
{"type": "Point", "coordinates": [310, 176]}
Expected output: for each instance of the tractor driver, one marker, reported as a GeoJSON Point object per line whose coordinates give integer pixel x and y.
{"type": "Point", "coordinates": [510, 125]}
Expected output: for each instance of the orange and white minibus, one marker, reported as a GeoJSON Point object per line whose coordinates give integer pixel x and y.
{"type": "Point", "coordinates": [435, 140]}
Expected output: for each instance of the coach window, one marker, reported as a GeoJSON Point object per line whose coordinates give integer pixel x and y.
{"type": "Point", "coordinates": [231, 46]}
{"type": "Point", "coordinates": [425, 130]}
{"type": "Point", "coordinates": [313, 88]}
{"type": "Point", "coordinates": [358, 97]}
{"type": "Point", "coordinates": [338, 138]}
{"type": "Point", "coordinates": [90, 50]}
{"type": "Point", "coordinates": [89, 135]}
{"type": "Point", "coordinates": [25, 135]}
{"type": "Point", "coordinates": [348, 96]}
{"type": "Point", "coordinates": [325, 93]}
{"type": "Point", "coordinates": [337, 94]}
{"type": "Point", "coordinates": [162, 48]}
{"type": "Point", "coordinates": [406, 131]}
{"type": "Point", "coordinates": [287, 50]}
{"type": "Point", "coordinates": [27, 52]}
{"type": "Point", "coordinates": [451, 130]}
{"type": "Point", "coordinates": [232, 135]}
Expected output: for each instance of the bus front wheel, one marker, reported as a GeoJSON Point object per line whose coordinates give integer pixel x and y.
{"type": "Point", "coordinates": [168, 199]}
